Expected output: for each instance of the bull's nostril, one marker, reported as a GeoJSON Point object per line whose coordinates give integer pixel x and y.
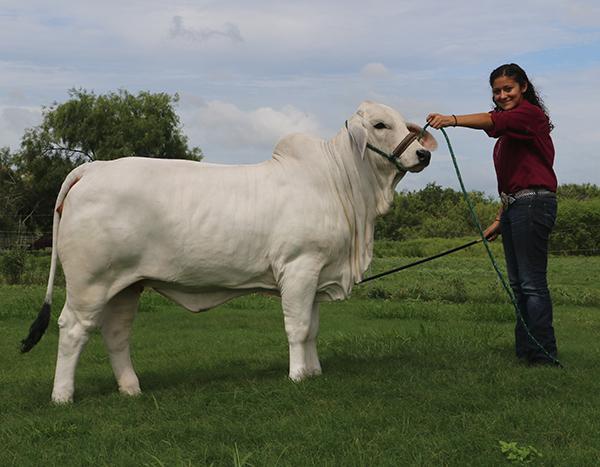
{"type": "Point", "coordinates": [424, 156]}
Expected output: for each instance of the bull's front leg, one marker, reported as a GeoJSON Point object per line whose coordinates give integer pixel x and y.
{"type": "Point", "coordinates": [301, 318]}
{"type": "Point", "coordinates": [313, 365]}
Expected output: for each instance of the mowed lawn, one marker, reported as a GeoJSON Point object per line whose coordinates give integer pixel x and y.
{"type": "Point", "coordinates": [418, 369]}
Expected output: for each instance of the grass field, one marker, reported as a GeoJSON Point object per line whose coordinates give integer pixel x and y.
{"type": "Point", "coordinates": [418, 370]}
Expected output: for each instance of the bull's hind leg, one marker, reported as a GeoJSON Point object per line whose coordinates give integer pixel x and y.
{"type": "Point", "coordinates": [73, 335]}
{"type": "Point", "coordinates": [301, 318]}
{"type": "Point", "coordinates": [117, 321]}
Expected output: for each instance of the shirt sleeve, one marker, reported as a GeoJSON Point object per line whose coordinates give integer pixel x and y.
{"type": "Point", "coordinates": [522, 122]}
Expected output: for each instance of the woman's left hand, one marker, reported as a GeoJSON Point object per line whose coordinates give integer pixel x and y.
{"type": "Point", "coordinates": [492, 232]}
{"type": "Point", "coordinates": [438, 121]}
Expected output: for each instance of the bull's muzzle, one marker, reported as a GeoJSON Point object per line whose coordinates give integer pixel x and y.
{"type": "Point", "coordinates": [424, 157]}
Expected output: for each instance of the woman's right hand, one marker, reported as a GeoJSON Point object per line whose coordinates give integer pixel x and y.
{"type": "Point", "coordinates": [438, 121]}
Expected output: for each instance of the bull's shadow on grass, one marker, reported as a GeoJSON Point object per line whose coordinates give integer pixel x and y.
{"type": "Point", "coordinates": [342, 358]}
{"type": "Point", "coordinates": [191, 376]}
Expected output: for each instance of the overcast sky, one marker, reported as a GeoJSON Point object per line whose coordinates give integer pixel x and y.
{"type": "Point", "coordinates": [249, 72]}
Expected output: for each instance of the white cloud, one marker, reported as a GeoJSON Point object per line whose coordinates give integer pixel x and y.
{"type": "Point", "coordinates": [375, 71]}
{"type": "Point", "coordinates": [218, 125]}
{"type": "Point", "coordinates": [13, 122]}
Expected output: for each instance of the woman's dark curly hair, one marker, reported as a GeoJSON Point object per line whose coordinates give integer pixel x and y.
{"type": "Point", "coordinates": [514, 71]}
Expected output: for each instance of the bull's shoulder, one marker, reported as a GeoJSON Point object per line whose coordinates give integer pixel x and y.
{"type": "Point", "coordinates": [297, 145]}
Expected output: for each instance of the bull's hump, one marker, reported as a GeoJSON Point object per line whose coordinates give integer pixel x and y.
{"type": "Point", "coordinates": [295, 145]}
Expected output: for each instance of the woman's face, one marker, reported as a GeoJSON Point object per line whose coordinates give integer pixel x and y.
{"type": "Point", "coordinates": [507, 93]}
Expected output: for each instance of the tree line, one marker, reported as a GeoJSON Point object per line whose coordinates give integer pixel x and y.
{"type": "Point", "coordinates": [442, 212]}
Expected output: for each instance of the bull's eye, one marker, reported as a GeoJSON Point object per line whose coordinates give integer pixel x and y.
{"type": "Point", "coordinates": [380, 126]}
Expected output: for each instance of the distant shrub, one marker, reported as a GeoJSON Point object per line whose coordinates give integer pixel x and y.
{"type": "Point", "coordinates": [580, 192]}
{"type": "Point", "coordinates": [12, 264]}
{"type": "Point", "coordinates": [576, 227]}
{"type": "Point", "coordinates": [434, 212]}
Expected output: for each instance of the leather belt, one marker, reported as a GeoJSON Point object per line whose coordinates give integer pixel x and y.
{"type": "Point", "coordinates": [509, 198]}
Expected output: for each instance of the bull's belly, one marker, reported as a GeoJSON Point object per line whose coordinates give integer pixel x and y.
{"type": "Point", "coordinates": [204, 300]}
{"type": "Point", "coordinates": [197, 301]}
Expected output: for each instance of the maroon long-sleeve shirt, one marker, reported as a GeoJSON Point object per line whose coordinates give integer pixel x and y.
{"type": "Point", "coordinates": [524, 152]}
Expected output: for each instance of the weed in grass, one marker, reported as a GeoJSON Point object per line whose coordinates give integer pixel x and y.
{"type": "Point", "coordinates": [379, 293]}
{"type": "Point", "coordinates": [519, 454]}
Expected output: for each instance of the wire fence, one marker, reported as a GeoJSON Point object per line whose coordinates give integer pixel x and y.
{"type": "Point", "coordinates": [11, 239]}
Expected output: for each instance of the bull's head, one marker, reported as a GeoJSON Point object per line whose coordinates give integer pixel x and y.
{"type": "Point", "coordinates": [380, 130]}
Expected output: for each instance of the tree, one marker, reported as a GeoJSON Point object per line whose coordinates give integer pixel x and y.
{"type": "Point", "coordinates": [104, 127]}
{"type": "Point", "coordinates": [10, 191]}
{"type": "Point", "coordinates": [91, 127]}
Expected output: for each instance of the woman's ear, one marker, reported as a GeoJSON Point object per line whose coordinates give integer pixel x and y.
{"type": "Point", "coordinates": [427, 140]}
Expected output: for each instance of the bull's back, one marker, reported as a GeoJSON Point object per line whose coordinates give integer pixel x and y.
{"type": "Point", "coordinates": [134, 208]}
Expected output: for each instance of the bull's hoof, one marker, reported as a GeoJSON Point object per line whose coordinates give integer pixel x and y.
{"type": "Point", "coordinates": [302, 374]}
{"type": "Point", "coordinates": [130, 391]}
{"type": "Point", "coordinates": [58, 399]}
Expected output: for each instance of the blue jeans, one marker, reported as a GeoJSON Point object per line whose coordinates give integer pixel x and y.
{"type": "Point", "coordinates": [526, 225]}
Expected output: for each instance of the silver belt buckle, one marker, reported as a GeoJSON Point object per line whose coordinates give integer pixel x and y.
{"type": "Point", "coordinates": [507, 200]}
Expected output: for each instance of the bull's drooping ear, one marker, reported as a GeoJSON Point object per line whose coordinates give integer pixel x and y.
{"type": "Point", "coordinates": [358, 134]}
{"type": "Point", "coordinates": [427, 141]}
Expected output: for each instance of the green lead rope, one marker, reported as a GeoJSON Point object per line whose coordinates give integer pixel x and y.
{"type": "Point", "coordinates": [489, 251]}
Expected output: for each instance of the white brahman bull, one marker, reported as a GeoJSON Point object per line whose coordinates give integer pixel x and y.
{"type": "Point", "coordinates": [299, 226]}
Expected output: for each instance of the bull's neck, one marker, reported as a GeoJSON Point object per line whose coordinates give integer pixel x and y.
{"type": "Point", "coordinates": [376, 175]}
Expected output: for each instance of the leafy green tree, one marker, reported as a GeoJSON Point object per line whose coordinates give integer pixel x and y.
{"type": "Point", "coordinates": [113, 125]}
{"type": "Point", "coordinates": [90, 127]}
{"type": "Point", "coordinates": [10, 191]}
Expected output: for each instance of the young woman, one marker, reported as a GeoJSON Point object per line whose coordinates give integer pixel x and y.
{"type": "Point", "coordinates": [523, 159]}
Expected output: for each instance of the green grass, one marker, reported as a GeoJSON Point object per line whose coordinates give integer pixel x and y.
{"type": "Point", "coordinates": [418, 370]}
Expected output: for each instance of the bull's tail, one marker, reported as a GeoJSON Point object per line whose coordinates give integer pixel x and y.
{"type": "Point", "coordinates": [39, 326]}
